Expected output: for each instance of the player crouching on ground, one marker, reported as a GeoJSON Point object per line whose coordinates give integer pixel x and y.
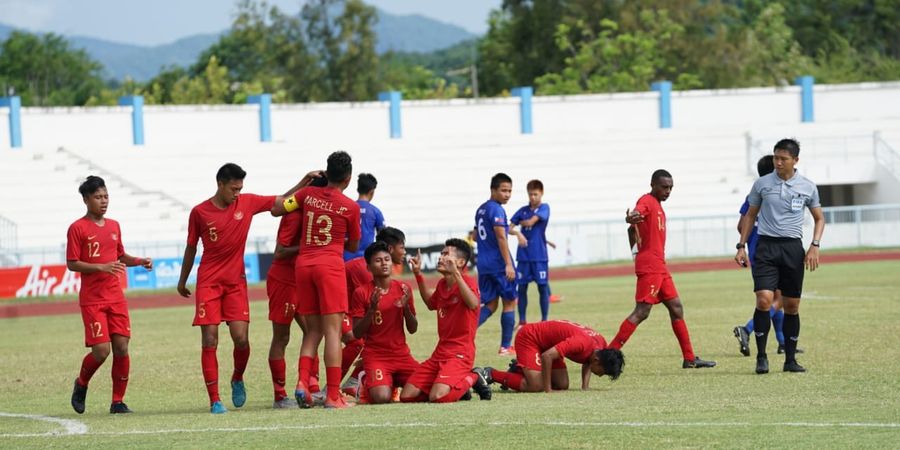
{"type": "Point", "coordinates": [542, 348]}
{"type": "Point", "coordinates": [447, 376]}
{"type": "Point", "coordinates": [379, 310]}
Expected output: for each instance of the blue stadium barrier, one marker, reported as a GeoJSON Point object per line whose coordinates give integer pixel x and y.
{"type": "Point", "coordinates": [14, 103]}
{"type": "Point", "coordinates": [137, 116]}
{"type": "Point", "coordinates": [395, 97]}
{"type": "Point", "coordinates": [525, 93]}
{"type": "Point", "coordinates": [806, 83]}
{"type": "Point", "coordinates": [265, 115]}
{"type": "Point", "coordinates": [665, 102]}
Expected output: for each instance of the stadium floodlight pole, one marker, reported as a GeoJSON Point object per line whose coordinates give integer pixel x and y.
{"type": "Point", "coordinates": [665, 102]}
{"type": "Point", "coordinates": [265, 115]}
{"type": "Point", "coordinates": [525, 93]}
{"type": "Point", "coordinates": [137, 116]}
{"type": "Point", "coordinates": [806, 83]}
{"type": "Point", "coordinates": [395, 97]}
{"type": "Point", "coordinates": [14, 103]}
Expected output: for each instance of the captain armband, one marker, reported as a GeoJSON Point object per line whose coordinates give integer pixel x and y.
{"type": "Point", "coordinates": [290, 204]}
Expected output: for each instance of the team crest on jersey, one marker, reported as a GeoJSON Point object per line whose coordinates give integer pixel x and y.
{"type": "Point", "coordinates": [114, 236]}
{"type": "Point", "coordinates": [454, 300]}
{"type": "Point", "coordinates": [239, 215]}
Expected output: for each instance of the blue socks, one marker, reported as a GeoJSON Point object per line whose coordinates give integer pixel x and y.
{"type": "Point", "coordinates": [523, 302]}
{"type": "Point", "coordinates": [507, 323]}
{"type": "Point", "coordinates": [484, 315]}
{"type": "Point", "coordinates": [544, 291]}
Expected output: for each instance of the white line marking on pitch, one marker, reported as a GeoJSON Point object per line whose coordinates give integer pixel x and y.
{"type": "Point", "coordinates": [70, 427]}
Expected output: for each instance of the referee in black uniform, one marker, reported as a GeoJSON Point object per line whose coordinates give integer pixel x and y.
{"type": "Point", "coordinates": [777, 203]}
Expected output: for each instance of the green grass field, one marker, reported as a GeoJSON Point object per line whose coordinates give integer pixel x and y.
{"type": "Point", "coordinates": [849, 398]}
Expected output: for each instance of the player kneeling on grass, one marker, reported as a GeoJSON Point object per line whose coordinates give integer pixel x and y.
{"type": "Point", "coordinates": [95, 249]}
{"type": "Point", "coordinates": [379, 310]}
{"type": "Point", "coordinates": [447, 376]}
{"type": "Point", "coordinates": [542, 348]}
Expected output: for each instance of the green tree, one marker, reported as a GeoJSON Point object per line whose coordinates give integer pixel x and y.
{"type": "Point", "coordinates": [211, 87]}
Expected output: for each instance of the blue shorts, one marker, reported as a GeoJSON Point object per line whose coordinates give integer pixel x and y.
{"type": "Point", "coordinates": [493, 285]}
{"type": "Point", "coordinates": [529, 271]}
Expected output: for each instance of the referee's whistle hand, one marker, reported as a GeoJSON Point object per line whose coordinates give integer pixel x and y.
{"type": "Point", "coordinates": [741, 258]}
{"type": "Point", "coordinates": [812, 259]}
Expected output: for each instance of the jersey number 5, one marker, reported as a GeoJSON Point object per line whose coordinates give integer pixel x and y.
{"type": "Point", "coordinates": [324, 224]}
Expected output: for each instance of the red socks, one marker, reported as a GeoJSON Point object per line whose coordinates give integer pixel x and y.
{"type": "Point", "coordinates": [121, 366]}
{"type": "Point", "coordinates": [684, 339]}
{"type": "Point", "coordinates": [625, 331]}
{"type": "Point", "coordinates": [89, 365]}
{"type": "Point", "coordinates": [313, 383]}
{"type": "Point", "coordinates": [278, 368]}
{"type": "Point", "coordinates": [333, 382]}
{"type": "Point", "coordinates": [306, 363]}
{"type": "Point", "coordinates": [210, 364]}
{"type": "Point", "coordinates": [241, 356]}
{"type": "Point", "coordinates": [508, 379]}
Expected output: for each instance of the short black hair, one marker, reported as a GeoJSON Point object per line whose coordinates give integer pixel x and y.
{"type": "Point", "coordinates": [373, 248]}
{"type": "Point", "coordinates": [765, 165]}
{"type": "Point", "coordinates": [320, 181]}
{"type": "Point", "coordinates": [230, 172]}
{"type": "Point", "coordinates": [366, 183]}
{"type": "Point", "coordinates": [340, 166]}
{"type": "Point", "coordinates": [391, 236]}
{"type": "Point", "coordinates": [789, 145]}
{"type": "Point", "coordinates": [612, 360]}
{"type": "Point", "coordinates": [498, 179]}
{"type": "Point", "coordinates": [534, 185]}
{"type": "Point", "coordinates": [660, 173]}
{"type": "Point", "coordinates": [90, 185]}
{"type": "Point", "coordinates": [461, 246]}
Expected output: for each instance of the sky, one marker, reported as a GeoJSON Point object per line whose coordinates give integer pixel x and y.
{"type": "Point", "coordinates": [154, 22]}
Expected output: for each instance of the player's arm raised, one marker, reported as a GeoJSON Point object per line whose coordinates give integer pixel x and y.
{"type": "Point", "coordinates": [409, 317]}
{"type": "Point", "coordinates": [468, 296]}
{"type": "Point", "coordinates": [547, 359]}
{"type": "Point", "coordinates": [415, 265]}
{"type": "Point", "coordinates": [281, 205]}
{"type": "Point", "coordinates": [503, 245]}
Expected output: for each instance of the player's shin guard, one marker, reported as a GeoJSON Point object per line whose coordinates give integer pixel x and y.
{"type": "Point", "coordinates": [625, 331]}
{"type": "Point", "coordinates": [241, 356]}
{"type": "Point", "coordinates": [523, 303]}
{"type": "Point", "coordinates": [778, 323]}
{"type": "Point", "coordinates": [761, 326]}
{"type": "Point", "coordinates": [278, 369]}
{"type": "Point", "coordinates": [333, 382]}
{"type": "Point", "coordinates": [210, 364]}
{"type": "Point", "coordinates": [679, 327]}
{"type": "Point", "coordinates": [510, 380]}
{"type": "Point", "coordinates": [120, 368]}
{"type": "Point", "coordinates": [89, 365]}
{"type": "Point", "coordinates": [507, 325]}
{"type": "Point", "coordinates": [484, 315]}
{"type": "Point", "coordinates": [544, 293]}
{"type": "Point", "coordinates": [791, 335]}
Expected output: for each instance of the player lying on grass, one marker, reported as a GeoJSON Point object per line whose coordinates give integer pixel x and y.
{"type": "Point", "coordinates": [94, 248]}
{"type": "Point", "coordinates": [542, 348]}
{"type": "Point", "coordinates": [447, 375]}
{"type": "Point", "coordinates": [380, 309]}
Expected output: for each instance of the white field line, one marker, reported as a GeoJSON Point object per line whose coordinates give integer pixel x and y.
{"type": "Point", "coordinates": [83, 430]}
{"type": "Point", "coordinates": [70, 427]}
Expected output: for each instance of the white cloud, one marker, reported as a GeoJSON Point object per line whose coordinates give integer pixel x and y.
{"type": "Point", "coordinates": [27, 13]}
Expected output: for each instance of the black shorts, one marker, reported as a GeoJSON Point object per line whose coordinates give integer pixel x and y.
{"type": "Point", "coordinates": [778, 264]}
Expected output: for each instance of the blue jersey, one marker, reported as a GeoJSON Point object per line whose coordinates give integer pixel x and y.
{"type": "Point", "coordinates": [371, 221]}
{"type": "Point", "coordinates": [751, 239]}
{"type": "Point", "coordinates": [535, 234]}
{"type": "Point", "coordinates": [489, 215]}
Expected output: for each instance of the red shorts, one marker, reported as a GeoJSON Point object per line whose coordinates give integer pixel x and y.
{"type": "Point", "coordinates": [104, 320]}
{"type": "Point", "coordinates": [653, 288]}
{"type": "Point", "coordinates": [282, 301]}
{"type": "Point", "coordinates": [528, 354]}
{"type": "Point", "coordinates": [392, 372]}
{"type": "Point", "coordinates": [452, 372]}
{"type": "Point", "coordinates": [321, 289]}
{"type": "Point", "coordinates": [222, 302]}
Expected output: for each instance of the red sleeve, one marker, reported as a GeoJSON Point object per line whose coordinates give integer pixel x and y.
{"type": "Point", "coordinates": [73, 244]}
{"type": "Point", "coordinates": [193, 229]}
{"type": "Point", "coordinates": [120, 247]}
{"type": "Point", "coordinates": [642, 206]}
{"type": "Point", "coordinates": [354, 233]}
{"type": "Point", "coordinates": [287, 230]}
{"type": "Point", "coordinates": [262, 203]}
{"type": "Point", "coordinates": [575, 345]}
{"type": "Point", "coordinates": [358, 302]}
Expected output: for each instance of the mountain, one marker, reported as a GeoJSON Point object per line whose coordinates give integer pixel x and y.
{"type": "Point", "coordinates": [407, 33]}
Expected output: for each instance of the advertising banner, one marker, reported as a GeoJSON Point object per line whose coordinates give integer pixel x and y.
{"type": "Point", "coordinates": [41, 281]}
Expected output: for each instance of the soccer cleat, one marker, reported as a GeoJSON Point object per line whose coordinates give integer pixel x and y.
{"type": "Point", "coordinates": [318, 398]}
{"type": "Point", "coordinates": [285, 403]}
{"type": "Point", "coordinates": [793, 367]}
{"type": "Point", "coordinates": [79, 393]}
{"type": "Point", "coordinates": [697, 363]}
{"type": "Point", "coordinates": [238, 393]}
{"type": "Point", "coordinates": [743, 339]}
{"type": "Point", "coordinates": [762, 365]}
{"type": "Point", "coordinates": [119, 408]}
{"type": "Point", "coordinates": [301, 394]}
{"type": "Point", "coordinates": [487, 373]}
{"type": "Point", "coordinates": [338, 403]}
{"type": "Point", "coordinates": [507, 351]}
{"type": "Point", "coordinates": [482, 386]}
{"type": "Point", "coordinates": [781, 349]}
{"type": "Point", "coordinates": [351, 386]}
{"type": "Point", "coordinates": [555, 298]}
{"type": "Point", "coordinates": [217, 408]}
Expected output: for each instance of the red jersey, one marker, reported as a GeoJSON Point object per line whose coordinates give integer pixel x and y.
{"type": "Point", "coordinates": [357, 274]}
{"type": "Point", "coordinates": [457, 322]}
{"type": "Point", "coordinates": [224, 236]}
{"type": "Point", "coordinates": [96, 244]}
{"type": "Point", "coordinates": [651, 257]}
{"type": "Point", "coordinates": [573, 341]}
{"type": "Point", "coordinates": [386, 337]}
{"type": "Point", "coordinates": [328, 216]}
{"type": "Point", "coordinates": [288, 236]}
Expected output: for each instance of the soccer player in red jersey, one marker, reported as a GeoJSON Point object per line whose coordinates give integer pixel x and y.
{"type": "Point", "coordinates": [447, 375]}
{"type": "Point", "coordinates": [542, 349]}
{"type": "Point", "coordinates": [94, 248]}
{"type": "Point", "coordinates": [222, 223]}
{"type": "Point", "coordinates": [380, 309]}
{"type": "Point", "coordinates": [654, 283]}
{"type": "Point", "coordinates": [330, 225]}
{"type": "Point", "coordinates": [358, 274]}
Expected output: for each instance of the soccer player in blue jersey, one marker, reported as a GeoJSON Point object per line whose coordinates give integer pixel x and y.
{"type": "Point", "coordinates": [371, 219]}
{"type": "Point", "coordinates": [764, 166]}
{"type": "Point", "coordinates": [531, 255]}
{"type": "Point", "coordinates": [496, 273]}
